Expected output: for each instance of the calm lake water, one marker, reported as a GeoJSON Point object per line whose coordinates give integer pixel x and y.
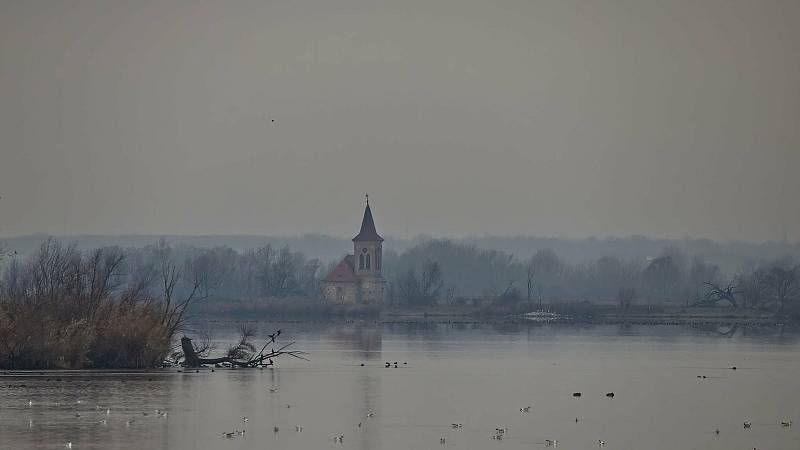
{"type": "Point", "coordinates": [476, 375]}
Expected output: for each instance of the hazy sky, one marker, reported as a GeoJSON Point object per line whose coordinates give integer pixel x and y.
{"type": "Point", "coordinates": [668, 118]}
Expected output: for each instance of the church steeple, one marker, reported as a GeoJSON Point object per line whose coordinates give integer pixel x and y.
{"type": "Point", "coordinates": [358, 279]}
{"type": "Point", "coordinates": [368, 232]}
{"type": "Point", "coordinates": [367, 245]}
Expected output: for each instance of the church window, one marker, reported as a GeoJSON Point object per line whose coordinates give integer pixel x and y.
{"type": "Point", "coordinates": [367, 261]}
{"type": "Point", "coordinates": [361, 262]}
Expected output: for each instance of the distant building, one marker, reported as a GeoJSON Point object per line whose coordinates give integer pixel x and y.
{"type": "Point", "coordinates": [357, 278]}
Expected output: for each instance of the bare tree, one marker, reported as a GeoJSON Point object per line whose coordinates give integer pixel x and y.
{"type": "Point", "coordinates": [530, 274]}
{"type": "Point", "coordinates": [662, 274]}
{"type": "Point", "coordinates": [783, 285]}
{"type": "Point", "coordinates": [422, 290]}
{"type": "Point", "coordinates": [103, 277]}
{"type": "Point", "coordinates": [701, 274]}
{"type": "Point", "coordinates": [409, 288]}
{"type": "Point", "coordinates": [431, 282]}
{"type": "Point", "coordinates": [753, 286]}
{"type": "Point", "coordinates": [174, 308]}
{"type": "Point", "coordinates": [283, 271]}
{"type": "Point", "coordinates": [716, 293]}
{"type": "Point", "coordinates": [309, 280]}
{"type": "Point", "coordinates": [625, 298]}
{"type": "Point", "coordinates": [264, 257]}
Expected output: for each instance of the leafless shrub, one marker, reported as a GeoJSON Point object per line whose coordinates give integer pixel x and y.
{"type": "Point", "coordinates": [64, 309]}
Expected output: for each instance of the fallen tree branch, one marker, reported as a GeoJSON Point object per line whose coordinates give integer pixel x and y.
{"type": "Point", "coordinates": [237, 356]}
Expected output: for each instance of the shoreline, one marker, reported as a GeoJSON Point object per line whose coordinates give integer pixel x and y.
{"type": "Point", "coordinates": [597, 315]}
{"type": "Point", "coordinates": [723, 325]}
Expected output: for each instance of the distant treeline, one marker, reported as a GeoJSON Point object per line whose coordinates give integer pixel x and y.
{"type": "Point", "coordinates": [443, 271]}
{"type": "Point", "coordinates": [439, 271]}
{"type": "Point", "coordinates": [729, 256]}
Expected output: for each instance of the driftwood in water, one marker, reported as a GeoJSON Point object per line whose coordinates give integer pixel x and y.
{"type": "Point", "coordinates": [238, 357]}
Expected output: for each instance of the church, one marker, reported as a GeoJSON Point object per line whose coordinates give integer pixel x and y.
{"type": "Point", "coordinates": [357, 278]}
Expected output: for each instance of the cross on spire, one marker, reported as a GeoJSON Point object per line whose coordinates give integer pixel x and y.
{"type": "Point", "coordinates": [367, 197]}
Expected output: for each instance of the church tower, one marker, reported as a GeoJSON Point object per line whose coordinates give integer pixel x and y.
{"type": "Point", "coordinates": [367, 246]}
{"type": "Point", "coordinates": [368, 259]}
{"type": "Point", "coordinates": [357, 278]}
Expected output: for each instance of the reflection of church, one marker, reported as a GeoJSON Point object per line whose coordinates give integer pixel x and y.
{"type": "Point", "coordinates": [357, 278]}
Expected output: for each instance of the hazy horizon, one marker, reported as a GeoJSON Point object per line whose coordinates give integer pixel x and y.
{"type": "Point", "coordinates": [410, 238]}
{"type": "Point", "coordinates": [459, 117]}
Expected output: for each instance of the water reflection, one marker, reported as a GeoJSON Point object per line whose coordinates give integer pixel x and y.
{"type": "Point", "coordinates": [476, 374]}
{"type": "Point", "coordinates": [364, 343]}
{"type": "Point", "coordinates": [362, 338]}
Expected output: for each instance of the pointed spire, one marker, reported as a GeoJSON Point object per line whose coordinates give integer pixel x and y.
{"type": "Point", "coordinates": [368, 232]}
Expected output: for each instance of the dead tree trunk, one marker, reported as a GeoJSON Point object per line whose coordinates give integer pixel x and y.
{"type": "Point", "coordinates": [716, 294]}
{"type": "Point", "coordinates": [193, 360]}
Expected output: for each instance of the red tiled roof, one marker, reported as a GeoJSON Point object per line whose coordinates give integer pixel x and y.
{"type": "Point", "coordinates": [368, 232]}
{"type": "Point", "coordinates": [343, 271]}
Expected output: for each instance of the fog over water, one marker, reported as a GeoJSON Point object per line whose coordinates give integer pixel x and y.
{"type": "Point", "coordinates": [181, 181]}
{"type": "Point", "coordinates": [570, 118]}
